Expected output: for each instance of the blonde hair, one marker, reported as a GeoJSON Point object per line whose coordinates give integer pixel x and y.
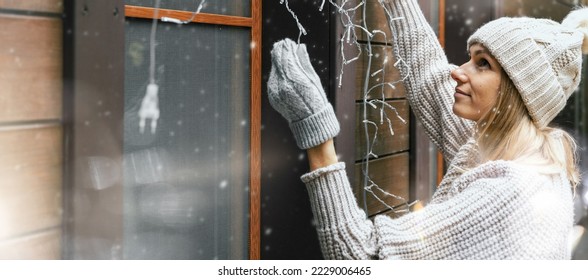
{"type": "Point", "coordinates": [507, 132]}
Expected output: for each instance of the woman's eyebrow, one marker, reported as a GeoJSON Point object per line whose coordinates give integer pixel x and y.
{"type": "Point", "coordinates": [481, 51]}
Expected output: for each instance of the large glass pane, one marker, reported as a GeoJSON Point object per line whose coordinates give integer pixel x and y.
{"type": "Point", "coordinates": [186, 185]}
{"type": "Point", "coordinates": [224, 7]}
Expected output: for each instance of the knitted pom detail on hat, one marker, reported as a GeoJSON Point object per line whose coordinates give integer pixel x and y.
{"type": "Point", "coordinates": [578, 19]}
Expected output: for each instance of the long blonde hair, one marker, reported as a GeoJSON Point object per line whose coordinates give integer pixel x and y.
{"type": "Point", "coordinates": [507, 132]}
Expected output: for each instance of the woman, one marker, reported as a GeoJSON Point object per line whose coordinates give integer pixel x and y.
{"type": "Point", "coordinates": [507, 193]}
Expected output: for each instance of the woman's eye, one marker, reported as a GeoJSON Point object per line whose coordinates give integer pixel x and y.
{"type": "Point", "coordinates": [483, 63]}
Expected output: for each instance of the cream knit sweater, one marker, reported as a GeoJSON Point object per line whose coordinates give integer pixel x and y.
{"type": "Point", "coordinates": [494, 210]}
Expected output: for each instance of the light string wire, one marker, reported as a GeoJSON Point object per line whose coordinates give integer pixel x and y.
{"type": "Point", "coordinates": [347, 10]}
{"type": "Point", "coordinates": [149, 108]}
{"type": "Point", "coordinates": [178, 21]}
{"type": "Point", "coordinates": [298, 24]}
{"type": "Point", "coordinates": [152, 43]}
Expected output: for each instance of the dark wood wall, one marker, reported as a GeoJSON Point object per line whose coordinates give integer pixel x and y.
{"type": "Point", "coordinates": [391, 169]}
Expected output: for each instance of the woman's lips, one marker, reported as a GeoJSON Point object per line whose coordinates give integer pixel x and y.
{"type": "Point", "coordinates": [460, 92]}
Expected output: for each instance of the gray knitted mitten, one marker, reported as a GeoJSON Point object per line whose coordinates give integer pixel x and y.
{"type": "Point", "coordinates": [295, 91]}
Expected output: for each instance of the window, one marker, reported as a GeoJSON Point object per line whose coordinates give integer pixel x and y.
{"type": "Point", "coordinates": [190, 188]}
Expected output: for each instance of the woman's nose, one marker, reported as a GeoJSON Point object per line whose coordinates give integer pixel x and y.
{"type": "Point", "coordinates": [459, 75]}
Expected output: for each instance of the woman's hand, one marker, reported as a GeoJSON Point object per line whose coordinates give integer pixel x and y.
{"type": "Point", "coordinates": [295, 91]}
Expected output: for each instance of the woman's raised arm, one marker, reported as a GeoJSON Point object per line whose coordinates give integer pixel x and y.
{"type": "Point", "coordinates": [428, 84]}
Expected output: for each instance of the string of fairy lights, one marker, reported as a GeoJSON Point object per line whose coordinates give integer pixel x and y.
{"type": "Point", "coordinates": [347, 10]}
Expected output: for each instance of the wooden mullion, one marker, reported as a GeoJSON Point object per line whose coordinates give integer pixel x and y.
{"type": "Point", "coordinates": [255, 137]}
{"type": "Point", "coordinates": [440, 161]}
{"type": "Point", "coordinates": [147, 13]}
{"type": "Point", "coordinates": [442, 23]}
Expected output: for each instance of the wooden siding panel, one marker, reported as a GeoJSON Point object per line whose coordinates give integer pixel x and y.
{"type": "Point", "coordinates": [389, 75]}
{"type": "Point", "coordinates": [40, 246]}
{"type": "Point", "coordinates": [50, 6]}
{"type": "Point", "coordinates": [30, 68]}
{"type": "Point", "coordinates": [30, 180]}
{"type": "Point", "coordinates": [391, 175]}
{"type": "Point", "coordinates": [386, 143]}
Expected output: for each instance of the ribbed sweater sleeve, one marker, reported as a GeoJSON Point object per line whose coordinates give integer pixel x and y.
{"type": "Point", "coordinates": [343, 230]}
{"type": "Point", "coordinates": [428, 85]}
{"type": "Point", "coordinates": [500, 212]}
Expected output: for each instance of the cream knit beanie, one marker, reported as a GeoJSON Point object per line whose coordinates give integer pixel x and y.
{"type": "Point", "coordinates": [542, 57]}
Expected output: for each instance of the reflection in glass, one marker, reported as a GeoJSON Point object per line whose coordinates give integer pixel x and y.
{"type": "Point", "coordinates": [186, 186]}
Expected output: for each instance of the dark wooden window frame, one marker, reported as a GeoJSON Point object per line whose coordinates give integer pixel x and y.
{"type": "Point", "coordinates": [440, 160]}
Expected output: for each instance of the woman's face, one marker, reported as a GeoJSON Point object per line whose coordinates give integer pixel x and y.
{"type": "Point", "coordinates": [478, 83]}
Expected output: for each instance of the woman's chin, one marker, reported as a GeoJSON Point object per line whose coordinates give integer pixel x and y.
{"type": "Point", "coordinates": [464, 114]}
